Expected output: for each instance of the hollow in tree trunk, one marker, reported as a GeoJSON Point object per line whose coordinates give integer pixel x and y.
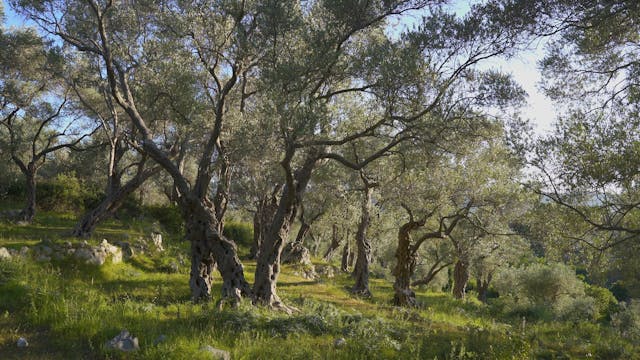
{"type": "Point", "coordinates": [460, 278]}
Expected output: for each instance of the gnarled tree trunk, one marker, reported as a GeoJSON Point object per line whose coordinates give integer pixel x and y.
{"type": "Point", "coordinates": [268, 263]}
{"type": "Point", "coordinates": [265, 211]}
{"type": "Point", "coordinates": [361, 270]}
{"type": "Point", "coordinates": [460, 278]}
{"type": "Point", "coordinates": [208, 249]}
{"type": "Point", "coordinates": [405, 267]}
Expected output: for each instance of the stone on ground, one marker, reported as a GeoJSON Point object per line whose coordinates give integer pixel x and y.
{"type": "Point", "coordinates": [216, 354]}
{"type": "Point", "coordinates": [22, 343]}
{"type": "Point", "coordinates": [124, 342]}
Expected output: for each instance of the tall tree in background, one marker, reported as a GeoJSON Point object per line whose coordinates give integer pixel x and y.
{"type": "Point", "coordinates": [126, 171]}
{"type": "Point", "coordinates": [589, 164]}
{"type": "Point", "coordinates": [339, 89]}
{"type": "Point", "coordinates": [35, 110]}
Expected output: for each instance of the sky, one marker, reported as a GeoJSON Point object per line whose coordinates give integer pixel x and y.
{"type": "Point", "coordinates": [523, 68]}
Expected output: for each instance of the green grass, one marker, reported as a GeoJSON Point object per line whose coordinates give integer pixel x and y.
{"type": "Point", "coordinates": [69, 310]}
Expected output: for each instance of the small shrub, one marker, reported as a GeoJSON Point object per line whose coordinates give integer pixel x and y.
{"type": "Point", "coordinates": [544, 291]}
{"type": "Point", "coordinates": [576, 309]}
{"type": "Point", "coordinates": [627, 320]}
{"type": "Point", "coordinates": [606, 304]}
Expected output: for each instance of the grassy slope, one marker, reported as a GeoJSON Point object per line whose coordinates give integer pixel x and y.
{"type": "Point", "coordinates": [69, 310]}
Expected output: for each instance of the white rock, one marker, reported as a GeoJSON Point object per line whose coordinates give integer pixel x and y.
{"type": "Point", "coordinates": [157, 240]}
{"type": "Point", "coordinates": [4, 253]}
{"type": "Point", "coordinates": [339, 342]}
{"type": "Point", "coordinates": [124, 342]}
{"type": "Point", "coordinates": [22, 343]}
{"type": "Point", "coordinates": [216, 353]}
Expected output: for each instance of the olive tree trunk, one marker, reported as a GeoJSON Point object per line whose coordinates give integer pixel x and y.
{"type": "Point", "coordinates": [363, 246]}
{"type": "Point", "coordinates": [405, 267]}
{"type": "Point", "coordinates": [268, 262]}
{"type": "Point", "coordinates": [116, 196]}
{"type": "Point", "coordinates": [460, 278]}
{"type": "Point", "coordinates": [335, 244]}
{"type": "Point", "coordinates": [483, 283]}
{"type": "Point", "coordinates": [209, 248]}
{"type": "Point", "coordinates": [28, 213]}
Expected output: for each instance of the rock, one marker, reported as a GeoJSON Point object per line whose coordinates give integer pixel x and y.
{"type": "Point", "coordinates": [43, 258]}
{"type": "Point", "coordinates": [127, 250]}
{"type": "Point", "coordinates": [172, 268]}
{"type": "Point", "coordinates": [160, 339]}
{"type": "Point", "coordinates": [216, 353]}
{"type": "Point", "coordinates": [45, 250]}
{"type": "Point", "coordinates": [22, 343]}
{"type": "Point", "coordinates": [296, 253]}
{"type": "Point", "coordinates": [90, 256]}
{"type": "Point", "coordinates": [156, 237]}
{"type": "Point", "coordinates": [24, 251]}
{"type": "Point", "coordinates": [307, 272]}
{"type": "Point", "coordinates": [339, 342]}
{"type": "Point", "coordinates": [325, 271]}
{"type": "Point", "coordinates": [123, 342]}
{"type": "Point", "coordinates": [4, 253]}
{"type": "Point", "coordinates": [110, 250]}
{"type": "Point", "coordinates": [98, 255]}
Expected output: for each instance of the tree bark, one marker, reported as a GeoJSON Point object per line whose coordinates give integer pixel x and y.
{"type": "Point", "coordinates": [29, 212]}
{"type": "Point", "coordinates": [335, 244]}
{"type": "Point", "coordinates": [116, 196]}
{"type": "Point", "coordinates": [433, 271]}
{"type": "Point", "coordinates": [483, 286]}
{"type": "Point", "coordinates": [405, 266]}
{"type": "Point", "coordinates": [265, 212]}
{"type": "Point", "coordinates": [268, 263]}
{"type": "Point", "coordinates": [460, 278]}
{"type": "Point", "coordinates": [346, 255]}
{"type": "Point", "coordinates": [257, 235]}
{"type": "Point", "coordinates": [363, 245]}
{"type": "Point", "coordinates": [302, 232]}
{"type": "Point", "coordinates": [208, 249]}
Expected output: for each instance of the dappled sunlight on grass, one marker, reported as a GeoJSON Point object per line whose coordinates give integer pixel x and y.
{"type": "Point", "coordinates": [72, 309]}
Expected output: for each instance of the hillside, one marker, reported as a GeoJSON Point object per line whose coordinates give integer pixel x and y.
{"type": "Point", "coordinates": [67, 309]}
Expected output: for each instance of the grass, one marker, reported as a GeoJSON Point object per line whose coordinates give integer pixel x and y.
{"type": "Point", "coordinates": [70, 310]}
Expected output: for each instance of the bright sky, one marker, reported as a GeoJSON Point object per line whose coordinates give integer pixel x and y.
{"type": "Point", "coordinates": [523, 68]}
